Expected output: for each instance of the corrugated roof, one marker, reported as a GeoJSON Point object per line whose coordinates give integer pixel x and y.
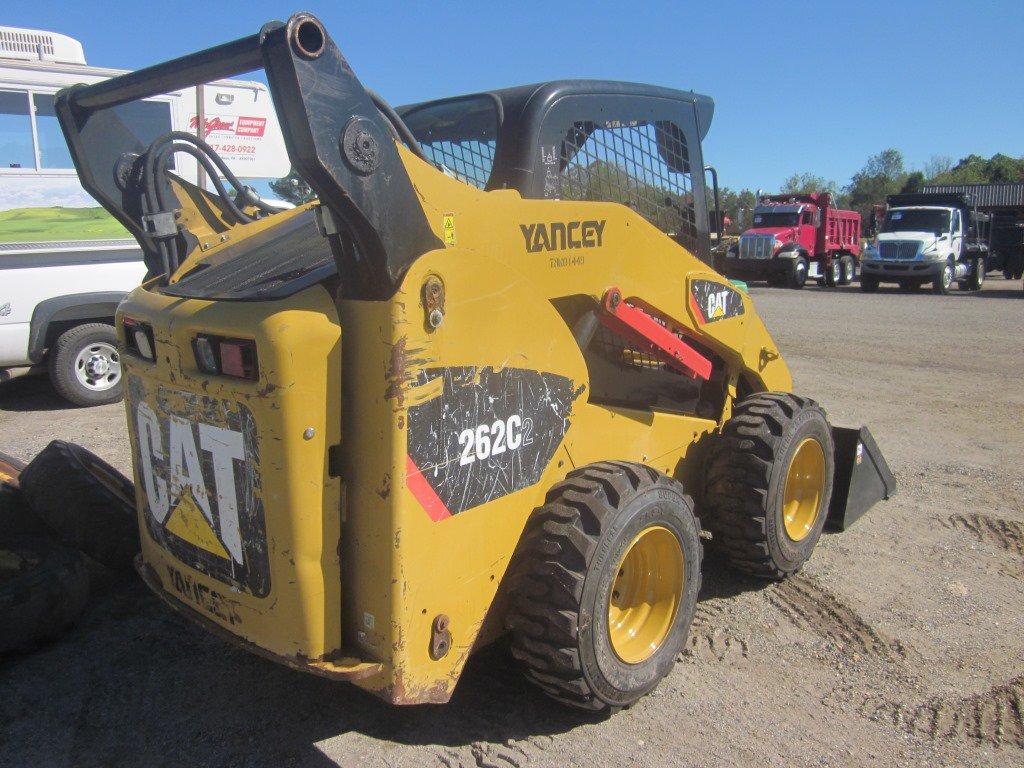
{"type": "Point", "coordinates": [985, 195]}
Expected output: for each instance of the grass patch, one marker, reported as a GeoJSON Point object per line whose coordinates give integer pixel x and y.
{"type": "Point", "coordinates": [33, 225]}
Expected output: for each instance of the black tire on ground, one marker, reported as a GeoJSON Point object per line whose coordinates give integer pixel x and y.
{"type": "Point", "coordinates": [944, 280]}
{"type": "Point", "coordinates": [88, 504]}
{"type": "Point", "coordinates": [849, 269]}
{"type": "Point", "coordinates": [977, 278]}
{"type": "Point", "coordinates": [746, 478]}
{"type": "Point", "coordinates": [798, 272]}
{"type": "Point", "coordinates": [834, 274]}
{"type": "Point", "coordinates": [44, 588]}
{"type": "Point", "coordinates": [565, 576]}
{"type": "Point", "coordinates": [868, 283]}
{"type": "Point", "coordinates": [78, 380]}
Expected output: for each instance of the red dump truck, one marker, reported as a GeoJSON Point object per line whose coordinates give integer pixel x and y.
{"type": "Point", "coordinates": [795, 237]}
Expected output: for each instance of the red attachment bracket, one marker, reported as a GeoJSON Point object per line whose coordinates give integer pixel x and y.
{"type": "Point", "coordinates": [647, 333]}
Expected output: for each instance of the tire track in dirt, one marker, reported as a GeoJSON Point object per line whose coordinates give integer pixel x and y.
{"type": "Point", "coordinates": [1007, 535]}
{"type": "Point", "coordinates": [995, 716]}
{"type": "Point", "coordinates": [709, 640]}
{"type": "Point", "coordinates": [808, 605]}
{"type": "Point", "coordinates": [512, 753]}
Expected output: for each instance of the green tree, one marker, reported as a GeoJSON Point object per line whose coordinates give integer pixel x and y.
{"type": "Point", "coordinates": [975, 169]}
{"type": "Point", "coordinates": [807, 183]}
{"type": "Point", "coordinates": [882, 175]}
{"type": "Point", "coordinates": [292, 188]}
{"type": "Point", "coordinates": [915, 180]}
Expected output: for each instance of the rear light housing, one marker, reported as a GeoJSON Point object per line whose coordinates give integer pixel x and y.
{"type": "Point", "coordinates": [221, 356]}
{"type": "Point", "coordinates": [138, 338]}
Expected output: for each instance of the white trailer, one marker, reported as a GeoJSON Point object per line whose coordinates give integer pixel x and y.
{"type": "Point", "coordinates": [65, 263]}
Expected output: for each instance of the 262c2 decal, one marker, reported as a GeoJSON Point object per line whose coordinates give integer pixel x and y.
{"type": "Point", "coordinates": [484, 441]}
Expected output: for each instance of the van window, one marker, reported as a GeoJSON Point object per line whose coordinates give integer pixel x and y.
{"type": "Point", "coordinates": [15, 131]}
{"type": "Point", "coordinates": [53, 150]}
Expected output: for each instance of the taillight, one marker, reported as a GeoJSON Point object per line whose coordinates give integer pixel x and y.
{"type": "Point", "coordinates": [138, 338]}
{"type": "Point", "coordinates": [226, 357]}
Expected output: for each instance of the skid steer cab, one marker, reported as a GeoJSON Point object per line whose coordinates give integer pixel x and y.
{"type": "Point", "coordinates": [434, 404]}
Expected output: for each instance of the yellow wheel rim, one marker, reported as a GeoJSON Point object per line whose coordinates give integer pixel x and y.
{"type": "Point", "coordinates": [805, 485]}
{"type": "Point", "coordinates": [645, 594]}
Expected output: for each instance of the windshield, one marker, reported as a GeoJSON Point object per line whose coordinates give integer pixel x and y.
{"type": "Point", "coordinates": [775, 219]}
{"type": "Point", "coordinates": [916, 220]}
{"type": "Point", "coordinates": [460, 134]}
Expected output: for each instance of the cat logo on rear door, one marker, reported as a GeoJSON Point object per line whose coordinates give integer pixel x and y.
{"type": "Point", "coordinates": [198, 461]}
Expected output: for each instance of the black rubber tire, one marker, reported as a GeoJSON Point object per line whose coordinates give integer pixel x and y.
{"type": "Point", "coordinates": [62, 364]}
{"type": "Point", "coordinates": [977, 278]}
{"type": "Point", "coordinates": [798, 273]}
{"type": "Point", "coordinates": [562, 575]}
{"type": "Point", "coordinates": [85, 502]}
{"type": "Point", "coordinates": [745, 477]}
{"type": "Point", "coordinates": [868, 284]}
{"type": "Point", "coordinates": [44, 588]}
{"type": "Point", "coordinates": [834, 274]}
{"type": "Point", "coordinates": [849, 269]}
{"type": "Point", "coordinates": [939, 285]}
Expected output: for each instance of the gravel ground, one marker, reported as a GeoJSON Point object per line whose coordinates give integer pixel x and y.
{"type": "Point", "coordinates": [900, 643]}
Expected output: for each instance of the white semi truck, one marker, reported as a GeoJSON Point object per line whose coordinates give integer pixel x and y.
{"type": "Point", "coordinates": [65, 264]}
{"type": "Point", "coordinates": [934, 238]}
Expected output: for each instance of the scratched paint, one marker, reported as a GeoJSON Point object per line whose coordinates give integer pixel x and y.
{"type": "Point", "coordinates": [487, 433]}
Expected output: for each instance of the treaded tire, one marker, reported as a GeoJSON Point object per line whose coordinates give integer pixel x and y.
{"type": "Point", "coordinates": [798, 273]}
{"type": "Point", "coordinates": [939, 285]}
{"type": "Point", "coordinates": [563, 573]}
{"type": "Point", "coordinates": [977, 278]}
{"type": "Point", "coordinates": [834, 275]}
{"type": "Point", "coordinates": [85, 502]}
{"type": "Point", "coordinates": [849, 269]}
{"type": "Point", "coordinates": [62, 364]}
{"type": "Point", "coordinates": [745, 480]}
{"type": "Point", "coordinates": [43, 588]}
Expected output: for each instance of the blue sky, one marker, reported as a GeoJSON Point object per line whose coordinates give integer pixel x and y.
{"type": "Point", "coordinates": [798, 86]}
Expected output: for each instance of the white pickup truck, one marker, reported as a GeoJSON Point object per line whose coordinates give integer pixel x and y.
{"type": "Point", "coordinates": [65, 264]}
{"type": "Point", "coordinates": [935, 238]}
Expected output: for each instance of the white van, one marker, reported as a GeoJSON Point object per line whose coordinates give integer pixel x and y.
{"type": "Point", "coordinates": [65, 263]}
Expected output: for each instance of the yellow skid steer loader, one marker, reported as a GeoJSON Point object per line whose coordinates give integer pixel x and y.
{"type": "Point", "coordinates": [432, 405]}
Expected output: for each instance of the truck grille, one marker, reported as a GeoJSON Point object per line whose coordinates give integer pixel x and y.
{"type": "Point", "coordinates": [756, 246]}
{"type": "Point", "coordinates": [892, 250]}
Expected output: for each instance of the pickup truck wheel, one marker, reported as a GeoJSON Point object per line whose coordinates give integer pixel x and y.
{"type": "Point", "coordinates": [798, 273]}
{"type": "Point", "coordinates": [849, 267]}
{"type": "Point", "coordinates": [768, 484]}
{"type": "Point", "coordinates": [604, 584]}
{"type": "Point", "coordinates": [944, 281]}
{"type": "Point", "coordinates": [868, 283]}
{"type": "Point", "coordinates": [85, 365]}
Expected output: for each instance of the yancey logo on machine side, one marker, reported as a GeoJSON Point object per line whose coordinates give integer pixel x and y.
{"type": "Point", "coordinates": [559, 236]}
{"type": "Point", "coordinates": [246, 126]}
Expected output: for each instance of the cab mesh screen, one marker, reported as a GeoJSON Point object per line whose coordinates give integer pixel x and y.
{"type": "Point", "coordinates": [470, 161]}
{"type": "Point", "coordinates": [645, 166]}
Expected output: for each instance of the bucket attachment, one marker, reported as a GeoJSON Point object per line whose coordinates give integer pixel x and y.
{"type": "Point", "coordinates": [862, 477]}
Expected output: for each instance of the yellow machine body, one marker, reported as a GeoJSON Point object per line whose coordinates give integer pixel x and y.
{"type": "Point", "coordinates": [335, 551]}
